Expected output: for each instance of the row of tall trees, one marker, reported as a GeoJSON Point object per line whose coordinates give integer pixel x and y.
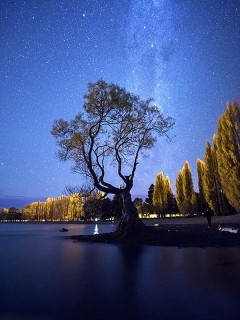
{"type": "Point", "coordinates": [74, 207]}
{"type": "Point", "coordinates": [219, 172]}
{"type": "Point", "coordinates": [218, 175]}
{"type": "Point", "coordinates": [186, 197]}
{"type": "Point", "coordinates": [162, 197]}
{"type": "Point", "coordinates": [69, 208]}
{"type": "Point", "coordinates": [60, 208]}
{"type": "Point", "coordinates": [227, 146]}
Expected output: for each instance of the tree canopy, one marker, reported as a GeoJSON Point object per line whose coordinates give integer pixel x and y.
{"type": "Point", "coordinates": [186, 198]}
{"type": "Point", "coordinates": [162, 195]}
{"type": "Point", "coordinates": [114, 128]}
{"type": "Point", "coordinates": [227, 146]}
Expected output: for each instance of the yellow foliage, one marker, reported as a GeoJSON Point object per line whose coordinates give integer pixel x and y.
{"type": "Point", "coordinates": [227, 146]}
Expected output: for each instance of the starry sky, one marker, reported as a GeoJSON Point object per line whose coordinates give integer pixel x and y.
{"type": "Point", "coordinates": [183, 53]}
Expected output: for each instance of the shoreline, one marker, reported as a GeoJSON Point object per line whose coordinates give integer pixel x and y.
{"type": "Point", "coordinates": [175, 232]}
{"type": "Point", "coordinates": [193, 220]}
{"type": "Point", "coordinates": [172, 235]}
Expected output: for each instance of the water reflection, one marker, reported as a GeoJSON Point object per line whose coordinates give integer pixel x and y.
{"type": "Point", "coordinates": [95, 229]}
{"type": "Point", "coordinates": [129, 277]}
{"type": "Point", "coordinates": [56, 278]}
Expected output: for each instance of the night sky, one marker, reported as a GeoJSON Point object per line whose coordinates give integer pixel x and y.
{"type": "Point", "coordinates": [183, 53]}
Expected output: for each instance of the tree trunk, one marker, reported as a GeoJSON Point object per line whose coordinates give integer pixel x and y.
{"type": "Point", "coordinates": [130, 223]}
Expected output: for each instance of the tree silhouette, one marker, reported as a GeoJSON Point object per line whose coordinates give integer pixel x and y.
{"type": "Point", "coordinates": [114, 129]}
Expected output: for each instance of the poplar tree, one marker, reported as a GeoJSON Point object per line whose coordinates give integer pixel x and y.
{"type": "Point", "coordinates": [227, 145]}
{"type": "Point", "coordinates": [169, 194]}
{"type": "Point", "coordinates": [212, 184]}
{"type": "Point", "coordinates": [186, 198]}
{"type": "Point", "coordinates": [188, 189]}
{"type": "Point", "coordinates": [200, 170]}
{"type": "Point", "coordinates": [179, 192]}
{"type": "Point", "coordinates": [159, 201]}
{"type": "Point", "coordinates": [50, 208]}
{"type": "Point", "coordinates": [75, 208]}
{"type": "Point", "coordinates": [162, 195]}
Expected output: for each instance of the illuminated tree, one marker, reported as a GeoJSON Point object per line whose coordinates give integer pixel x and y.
{"type": "Point", "coordinates": [65, 204]}
{"type": "Point", "coordinates": [114, 129]}
{"type": "Point", "coordinates": [75, 208]}
{"type": "Point", "coordinates": [227, 146]}
{"type": "Point", "coordinates": [212, 184]}
{"type": "Point", "coordinates": [188, 189]}
{"type": "Point", "coordinates": [202, 200]}
{"type": "Point", "coordinates": [31, 211]}
{"type": "Point", "coordinates": [186, 197]}
{"type": "Point", "coordinates": [28, 212]}
{"type": "Point", "coordinates": [49, 208]}
{"type": "Point", "coordinates": [159, 196]}
{"type": "Point", "coordinates": [169, 195]}
{"type": "Point", "coordinates": [179, 192]}
{"type": "Point", "coordinates": [162, 195]}
{"type": "Point", "coordinates": [3, 214]}
{"type": "Point", "coordinates": [41, 210]}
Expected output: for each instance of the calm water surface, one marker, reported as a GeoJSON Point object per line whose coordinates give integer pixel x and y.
{"type": "Point", "coordinates": [44, 276]}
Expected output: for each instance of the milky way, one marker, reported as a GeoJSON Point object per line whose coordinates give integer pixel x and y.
{"type": "Point", "coordinates": [150, 43]}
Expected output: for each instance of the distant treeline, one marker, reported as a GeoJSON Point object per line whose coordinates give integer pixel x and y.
{"type": "Point", "coordinates": [74, 207]}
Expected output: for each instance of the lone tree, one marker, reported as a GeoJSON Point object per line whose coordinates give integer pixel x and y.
{"type": "Point", "coordinates": [114, 129]}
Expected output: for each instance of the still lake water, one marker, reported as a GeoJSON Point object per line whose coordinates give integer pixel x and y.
{"type": "Point", "coordinates": [44, 276]}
